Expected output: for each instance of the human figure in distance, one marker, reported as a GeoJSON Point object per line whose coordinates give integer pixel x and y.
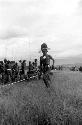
{"type": "Point", "coordinates": [45, 64]}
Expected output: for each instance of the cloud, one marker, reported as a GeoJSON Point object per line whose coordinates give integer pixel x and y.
{"type": "Point", "coordinates": [17, 48]}
{"type": "Point", "coordinates": [70, 52]}
{"type": "Point", "coordinates": [13, 32]}
{"type": "Point", "coordinates": [38, 17]}
{"type": "Point", "coordinates": [80, 4]}
{"type": "Point", "coordinates": [56, 22]}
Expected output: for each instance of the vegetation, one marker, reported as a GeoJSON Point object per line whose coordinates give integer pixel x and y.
{"type": "Point", "coordinates": [31, 103]}
{"type": "Point", "coordinates": [80, 69]}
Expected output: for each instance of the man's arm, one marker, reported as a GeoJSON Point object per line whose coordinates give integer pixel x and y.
{"type": "Point", "coordinates": [40, 64]}
{"type": "Point", "coordinates": [40, 73]}
{"type": "Point", "coordinates": [52, 59]}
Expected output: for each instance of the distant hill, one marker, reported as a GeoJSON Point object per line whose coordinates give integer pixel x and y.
{"type": "Point", "coordinates": [75, 60]}
{"type": "Point", "coordinates": [70, 60]}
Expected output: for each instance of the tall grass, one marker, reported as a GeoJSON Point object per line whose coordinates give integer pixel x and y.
{"type": "Point", "coordinates": [31, 103]}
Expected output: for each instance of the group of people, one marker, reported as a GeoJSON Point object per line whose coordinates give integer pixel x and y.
{"type": "Point", "coordinates": [11, 71]}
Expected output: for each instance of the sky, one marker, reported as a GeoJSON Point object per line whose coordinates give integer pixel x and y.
{"type": "Point", "coordinates": [26, 24]}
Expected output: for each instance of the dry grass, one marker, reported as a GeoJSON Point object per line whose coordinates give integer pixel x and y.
{"type": "Point", "coordinates": [31, 103]}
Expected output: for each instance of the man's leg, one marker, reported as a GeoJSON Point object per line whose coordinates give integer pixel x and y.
{"type": "Point", "coordinates": [46, 79]}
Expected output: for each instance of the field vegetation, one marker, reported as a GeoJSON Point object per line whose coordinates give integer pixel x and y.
{"type": "Point", "coordinates": [31, 103]}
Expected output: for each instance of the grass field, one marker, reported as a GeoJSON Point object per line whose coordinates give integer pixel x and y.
{"type": "Point", "coordinates": [31, 103]}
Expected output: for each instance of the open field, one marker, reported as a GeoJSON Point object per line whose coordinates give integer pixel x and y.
{"type": "Point", "coordinates": [31, 103]}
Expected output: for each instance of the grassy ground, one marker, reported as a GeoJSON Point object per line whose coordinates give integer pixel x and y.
{"type": "Point", "coordinates": [31, 103]}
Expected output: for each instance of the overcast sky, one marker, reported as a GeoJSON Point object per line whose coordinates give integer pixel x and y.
{"type": "Point", "coordinates": [25, 24]}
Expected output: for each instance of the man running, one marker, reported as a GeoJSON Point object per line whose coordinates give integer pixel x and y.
{"type": "Point", "coordinates": [45, 64]}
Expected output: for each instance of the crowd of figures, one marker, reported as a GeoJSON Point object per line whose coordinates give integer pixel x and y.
{"type": "Point", "coordinates": [11, 71]}
{"type": "Point", "coordinates": [69, 67]}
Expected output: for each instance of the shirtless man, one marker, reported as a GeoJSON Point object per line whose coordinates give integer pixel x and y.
{"type": "Point", "coordinates": [45, 64]}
